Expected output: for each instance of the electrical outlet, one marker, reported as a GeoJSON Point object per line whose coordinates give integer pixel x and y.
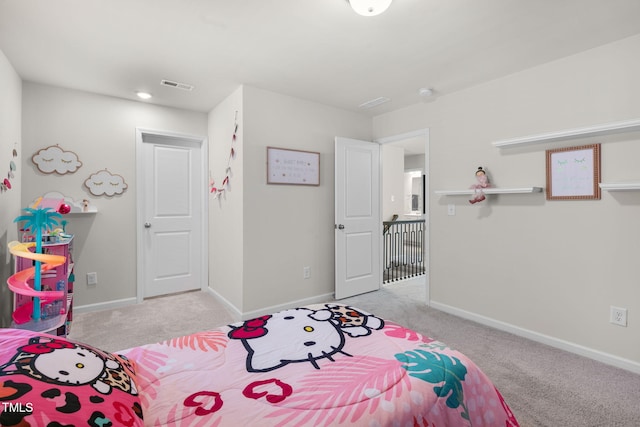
{"type": "Point", "coordinates": [618, 316]}
{"type": "Point", "coordinates": [306, 272]}
{"type": "Point", "coordinates": [92, 279]}
{"type": "Point", "coordinates": [451, 210]}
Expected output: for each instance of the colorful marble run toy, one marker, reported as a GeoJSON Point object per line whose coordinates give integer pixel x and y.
{"type": "Point", "coordinates": [28, 282]}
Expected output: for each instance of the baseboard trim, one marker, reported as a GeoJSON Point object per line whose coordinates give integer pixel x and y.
{"type": "Point", "coordinates": [235, 313]}
{"type": "Point", "coordinates": [272, 309]}
{"type": "Point", "coordinates": [568, 346]}
{"type": "Point", "coordinates": [105, 305]}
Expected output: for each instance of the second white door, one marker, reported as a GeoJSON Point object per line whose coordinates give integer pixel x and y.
{"type": "Point", "coordinates": [358, 227]}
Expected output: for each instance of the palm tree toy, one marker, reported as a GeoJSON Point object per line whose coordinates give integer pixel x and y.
{"type": "Point", "coordinates": [38, 219]}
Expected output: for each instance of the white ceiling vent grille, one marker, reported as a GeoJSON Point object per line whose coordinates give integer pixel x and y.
{"type": "Point", "coordinates": [374, 102]}
{"type": "Point", "coordinates": [176, 85]}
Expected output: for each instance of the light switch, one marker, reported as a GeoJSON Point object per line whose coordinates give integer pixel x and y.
{"type": "Point", "coordinates": [92, 279]}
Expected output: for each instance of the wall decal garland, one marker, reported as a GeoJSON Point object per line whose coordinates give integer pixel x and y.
{"type": "Point", "coordinates": [5, 185]}
{"type": "Point", "coordinates": [226, 184]}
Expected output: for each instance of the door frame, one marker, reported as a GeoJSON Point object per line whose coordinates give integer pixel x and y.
{"type": "Point", "coordinates": [424, 133]}
{"type": "Point", "coordinates": [204, 210]}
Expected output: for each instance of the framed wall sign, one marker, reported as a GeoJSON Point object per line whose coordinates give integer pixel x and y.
{"type": "Point", "coordinates": [294, 167]}
{"type": "Point", "coordinates": [573, 173]}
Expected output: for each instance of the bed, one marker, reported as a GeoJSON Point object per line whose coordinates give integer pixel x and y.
{"type": "Point", "coordinates": [318, 365]}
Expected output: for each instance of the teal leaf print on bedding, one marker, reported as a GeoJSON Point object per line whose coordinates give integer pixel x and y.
{"type": "Point", "coordinates": [435, 368]}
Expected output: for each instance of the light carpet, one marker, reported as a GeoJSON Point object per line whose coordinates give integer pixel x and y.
{"type": "Point", "coordinates": [544, 386]}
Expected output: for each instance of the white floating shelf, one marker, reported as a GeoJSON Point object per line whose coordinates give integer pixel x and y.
{"type": "Point", "coordinates": [620, 186]}
{"type": "Point", "coordinates": [519, 190]}
{"type": "Point", "coordinates": [77, 207]}
{"type": "Point", "coordinates": [588, 131]}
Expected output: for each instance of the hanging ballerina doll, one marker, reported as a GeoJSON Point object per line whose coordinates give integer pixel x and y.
{"type": "Point", "coordinates": [483, 182]}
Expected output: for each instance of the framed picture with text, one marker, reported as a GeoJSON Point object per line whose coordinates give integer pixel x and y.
{"type": "Point", "coordinates": [294, 167]}
{"type": "Point", "coordinates": [573, 173]}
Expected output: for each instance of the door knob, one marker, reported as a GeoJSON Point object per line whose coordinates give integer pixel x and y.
{"type": "Point", "coordinates": [147, 225]}
{"type": "Point", "coordinates": [340, 227]}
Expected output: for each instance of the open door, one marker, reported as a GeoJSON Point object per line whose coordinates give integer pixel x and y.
{"type": "Point", "coordinates": [358, 228]}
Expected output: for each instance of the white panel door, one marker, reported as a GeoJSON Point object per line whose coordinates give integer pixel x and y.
{"type": "Point", "coordinates": [358, 228]}
{"type": "Point", "coordinates": [172, 237]}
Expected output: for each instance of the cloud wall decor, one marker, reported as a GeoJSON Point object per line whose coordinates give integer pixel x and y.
{"type": "Point", "coordinates": [55, 159]}
{"type": "Point", "coordinates": [105, 183]}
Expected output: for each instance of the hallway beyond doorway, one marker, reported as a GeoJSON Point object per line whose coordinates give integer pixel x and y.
{"type": "Point", "coordinates": [414, 289]}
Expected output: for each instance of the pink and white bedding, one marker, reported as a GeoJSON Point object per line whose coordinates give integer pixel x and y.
{"type": "Point", "coordinates": [321, 365]}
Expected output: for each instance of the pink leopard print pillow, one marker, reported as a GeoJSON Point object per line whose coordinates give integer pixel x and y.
{"type": "Point", "coordinates": [51, 381]}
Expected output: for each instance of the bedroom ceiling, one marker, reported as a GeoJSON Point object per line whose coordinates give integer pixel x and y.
{"type": "Point", "coordinates": [318, 50]}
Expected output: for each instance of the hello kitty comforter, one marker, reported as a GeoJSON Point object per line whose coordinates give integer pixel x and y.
{"type": "Point", "coordinates": [324, 365]}
{"type": "Point", "coordinates": [321, 365]}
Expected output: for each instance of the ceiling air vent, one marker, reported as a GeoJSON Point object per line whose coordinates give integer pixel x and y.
{"type": "Point", "coordinates": [177, 85]}
{"type": "Point", "coordinates": [374, 102]}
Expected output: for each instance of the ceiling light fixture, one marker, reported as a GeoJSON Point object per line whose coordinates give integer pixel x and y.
{"type": "Point", "coordinates": [369, 7]}
{"type": "Point", "coordinates": [144, 95]}
{"type": "Point", "coordinates": [425, 92]}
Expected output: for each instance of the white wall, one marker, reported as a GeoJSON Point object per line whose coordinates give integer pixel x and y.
{"type": "Point", "coordinates": [10, 139]}
{"type": "Point", "coordinates": [414, 162]}
{"type": "Point", "coordinates": [549, 269]}
{"type": "Point", "coordinates": [288, 227]}
{"type": "Point", "coordinates": [226, 233]}
{"type": "Point", "coordinates": [393, 191]}
{"type": "Point", "coordinates": [101, 131]}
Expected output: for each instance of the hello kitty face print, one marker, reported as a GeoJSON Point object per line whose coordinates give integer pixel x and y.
{"type": "Point", "coordinates": [66, 363]}
{"type": "Point", "coordinates": [299, 335]}
{"type": "Point", "coordinates": [70, 365]}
